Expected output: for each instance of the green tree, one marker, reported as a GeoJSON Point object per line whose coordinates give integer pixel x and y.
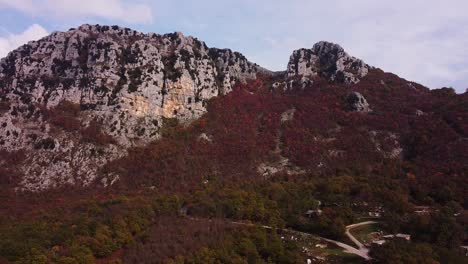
{"type": "Point", "coordinates": [399, 251]}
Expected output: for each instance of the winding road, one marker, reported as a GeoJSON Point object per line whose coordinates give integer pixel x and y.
{"type": "Point", "coordinates": [361, 249]}
{"type": "Point", "coordinates": [348, 233]}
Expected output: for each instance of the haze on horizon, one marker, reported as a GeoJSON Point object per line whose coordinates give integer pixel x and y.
{"type": "Point", "coordinates": [423, 40]}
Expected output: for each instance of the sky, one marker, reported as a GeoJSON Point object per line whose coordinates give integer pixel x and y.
{"type": "Point", "coordinates": [420, 40]}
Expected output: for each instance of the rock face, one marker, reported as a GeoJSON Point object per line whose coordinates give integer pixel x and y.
{"type": "Point", "coordinates": [75, 100]}
{"type": "Point", "coordinates": [327, 60]}
{"type": "Point", "coordinates": [357, 103]}
{"type": "Point", "coordinates": [125, 80]}
{"type": "Point", "coordinates": [112, 69]}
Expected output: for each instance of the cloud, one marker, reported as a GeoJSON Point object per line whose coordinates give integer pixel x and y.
{"type": "Point", "coordinates": [12, 41]}
{"type": "Point", "coordinates": [420, 40]}
{"type": "Point", "coordinates": [125, 11]}
{"type": "Point", "coordinates": [426, 41]}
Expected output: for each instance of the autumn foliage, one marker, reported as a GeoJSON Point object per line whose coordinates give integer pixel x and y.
{"type": "Point", "coordinates": [411, 149]}
{"type": "Point", "coordinates": [68, 116]}
{"type": "Point", "coordinates": [244, 129]}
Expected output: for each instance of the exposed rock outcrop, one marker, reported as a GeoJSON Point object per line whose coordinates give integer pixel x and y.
{"type": "Point", "coordinates": [288, 115]}
{"type": "Point", "coordinates": [126, 80]}
{"type": "Point", "coordinates": [117, 70]}
{"type": "Point", "coordinates": [75, 100]}
{"type": "Point", "coordinates": [356, 102]}
{"type": "Point", "coordinates": [327, 60]}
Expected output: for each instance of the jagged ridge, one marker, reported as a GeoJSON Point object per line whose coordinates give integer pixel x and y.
{"type": "Point", "coordinates": [327, 60]}
{"type": "Point", "coordinates": [125, 80]}
{"type": "Point", "coordinates": [125, 83]}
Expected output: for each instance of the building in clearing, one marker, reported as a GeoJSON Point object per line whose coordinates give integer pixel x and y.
{"type": "Point", "coordinates": [422, 210]}
{"type": "Point", "coordinates": [379, 242]}
{"type": "Point", "coordinates": [312, 213]}
{"type": "Point", "coordinates": [384, 239]}
{"type": "Point", "coordinates": [404, 236]}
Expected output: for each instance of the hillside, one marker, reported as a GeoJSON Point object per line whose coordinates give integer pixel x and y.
{"type": "Point", "coordinates": [81, 97]}
{"type": "Point", "coordinates": [118, 130]}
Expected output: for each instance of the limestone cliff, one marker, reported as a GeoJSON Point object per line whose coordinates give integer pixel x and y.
{"type": "Point", "coordinates": [125, 80]}
{"type": "Point", "coordinates": [327, 60]}
{"type": "Point", "coordinates": [75, 100]}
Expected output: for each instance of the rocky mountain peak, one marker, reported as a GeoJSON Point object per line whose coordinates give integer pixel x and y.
{"type": "Point", "coordinates": [328, 60]}
{"type": "Point", "coordinates": [325, 48]}
{"type": "Point", "coordinates": [357, 102]}
{"type": "Point", "coordinates": [77, 99]}
{"type": "Point", "coordinates": [125, 81]}
{"type": "Point", "coordinates": [101, 67]}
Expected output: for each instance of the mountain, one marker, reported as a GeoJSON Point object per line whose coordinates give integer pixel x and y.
{"type": "Point", "coordinates": [108, 81]}
{"type": "Point", "coordinates": [110, 138]}
{"type": "Point", "coordinates": [80, 98]}
{"type": "Point", "coordinates": [329, 61]}
{"type": "Point", "coordinates": [76, 101]}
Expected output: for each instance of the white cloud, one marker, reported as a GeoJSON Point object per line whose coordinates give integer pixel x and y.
{"type": "Point", "coordinates": [426, 41]}
{"type": "Point", "coordinates": [12, 41]}
{"type": "Point", "coordinates": [124, 11]}
{"type": "Point", "coordinates": [420, 40]}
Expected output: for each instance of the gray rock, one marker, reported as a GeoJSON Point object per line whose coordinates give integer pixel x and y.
{"type": "Point", "coordinates": [386, 143]}
{"type": "Point", "coordinates": [327, 60]}
{"type": "Point", "coordinates": [205, 137]}
{"type": "Point", "coordinates": [356, 102]}
{"type": "Point", "coordinates": [287, 115]}
{"type": "Point", "coordinates": [127, 80]}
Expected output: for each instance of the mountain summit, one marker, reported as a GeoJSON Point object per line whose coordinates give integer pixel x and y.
{"type": "Point", "coordinates": [327, 60]}
{"type": "Point", "coordinates": [110, 69]}
{"type": "Point", "coordinates": [74, 101]}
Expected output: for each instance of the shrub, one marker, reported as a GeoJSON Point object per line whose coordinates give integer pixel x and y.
{"type": "Point", "coordinates": [94, 134]}
{"type": "Point", "coordinates": [64, 115]}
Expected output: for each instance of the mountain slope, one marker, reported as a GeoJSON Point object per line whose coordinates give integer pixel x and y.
{"type": "Point", "coordinates": [109, 84]}
{"type": "Point", "coordinates": [114, 145]}
{"type": "Point", "coordinates": [73, 103]}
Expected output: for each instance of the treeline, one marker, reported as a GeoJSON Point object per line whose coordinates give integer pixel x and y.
{"type": "Point", "coordinates": [183, 240]}
{"type": "Point", "coordinates": [83, 233]}
{"type": "Point", "coordinates": [138, 227]}
{"type": "Point", "coordinates": [254, 245]}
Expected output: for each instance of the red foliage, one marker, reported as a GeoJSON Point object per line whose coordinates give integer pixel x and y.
{"type": "Point", "coordinates": [64, 115]}
{"type": "Point", "coordinates": [9, 175]}
{"type": "Point", "coordinates": [93, 133]}
{"type": "Point", "coordinates": [4, 107]}
{"type": "Point", "coordinates": [171, 237]}
{"type": "Point", "coordinates": [245, 130]}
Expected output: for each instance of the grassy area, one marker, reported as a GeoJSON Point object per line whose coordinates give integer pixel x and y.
{"type": "Point", "coordinates": [309, 242]}
{"type": "Point", "coordinates": [337, 255]}
{"type": "Point", "coordinates": [336, 252]}
{"type": "Point", "coordinates": [346, 240]}
{"type": "Point", "coordinates": [365, 234]}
